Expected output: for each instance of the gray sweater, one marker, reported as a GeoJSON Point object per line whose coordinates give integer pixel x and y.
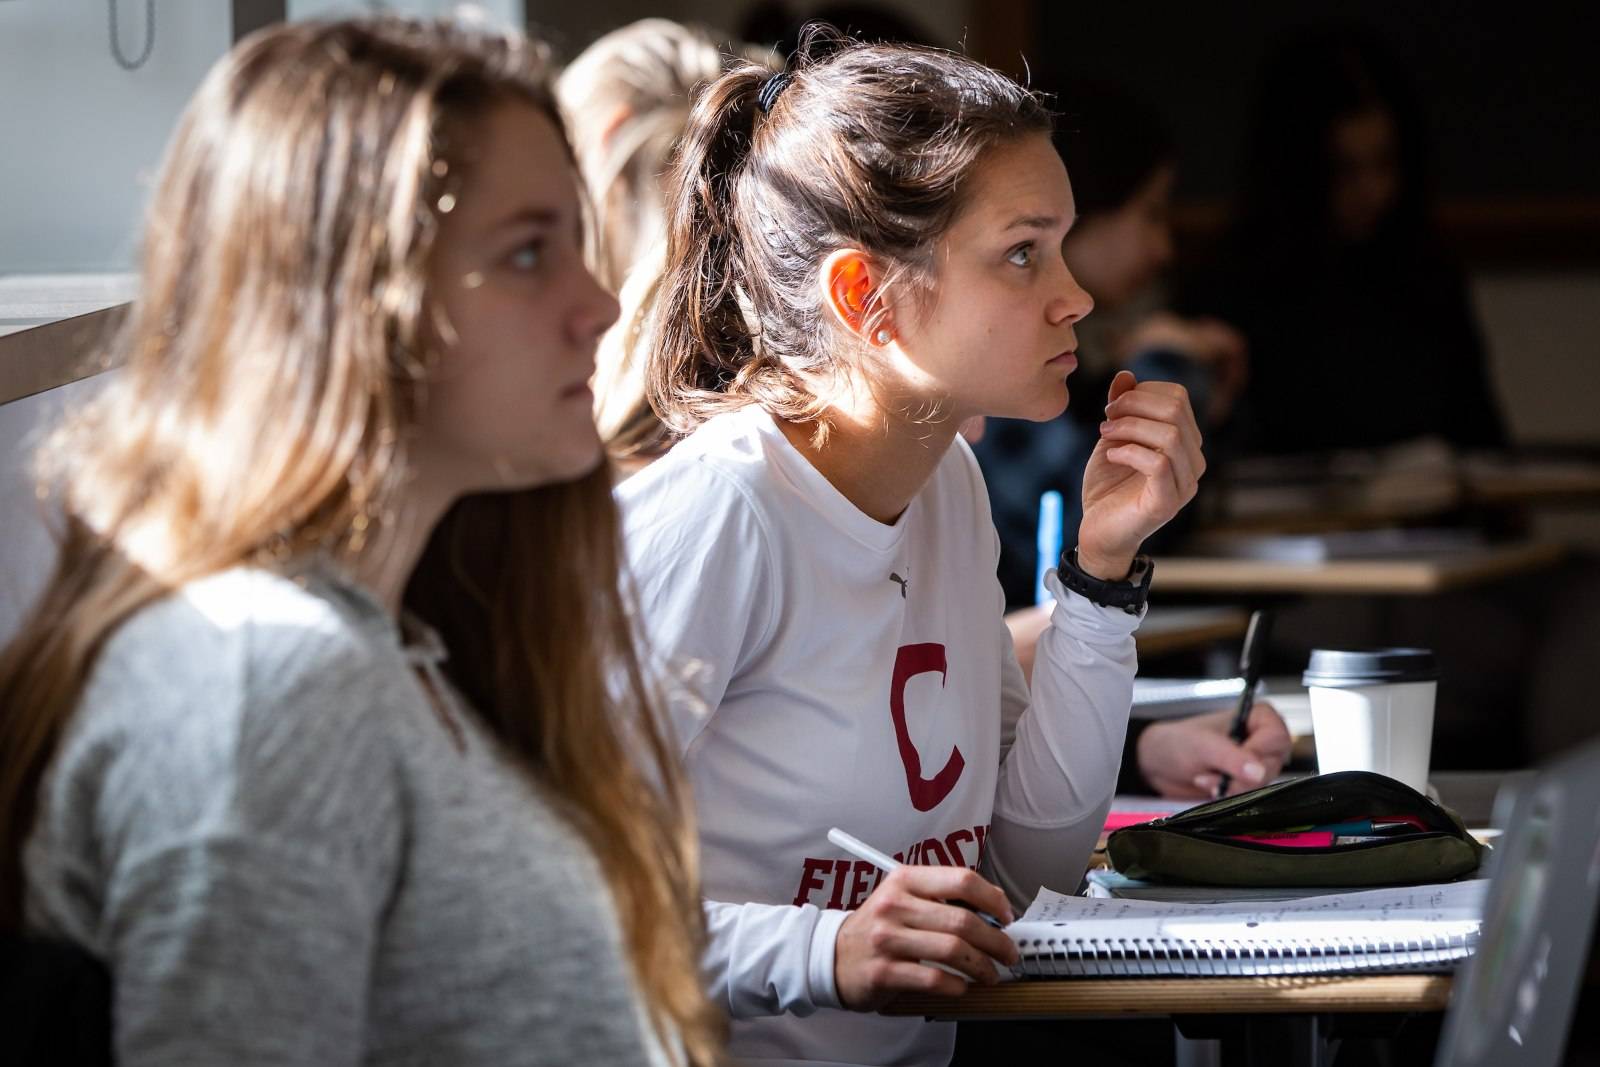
{"type": "Point", "coordinates": [288, 855]}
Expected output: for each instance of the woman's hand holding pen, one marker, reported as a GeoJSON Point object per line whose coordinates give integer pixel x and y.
{"type": "Point", "coordinates": [910, 922]}
{"type": "Point", "coordinates": [1187, 757]}
{"type": "Point", "coordinates": [1144, 469]}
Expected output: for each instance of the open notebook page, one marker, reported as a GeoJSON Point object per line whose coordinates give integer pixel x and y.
{"type": "Point", "coordinates": [1389, 914]}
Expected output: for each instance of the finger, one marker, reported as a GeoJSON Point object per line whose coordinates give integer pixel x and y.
{"type": "Point", "coordinates": [1161, 436]}
{"type": "Point", "coordinates": [925, 946]}
{"type": "Point", "coordinates": [903, 976]}
{"type": "Point", "coordinates": [1122, 384]}
{"type": "Point", "coordinates": [1216, 752]}
{"type": "Point", "coordinates": [1268, 734]}
{"type": "Point", "coordinates": [1155, 466]}
{"type": "Point", "coordinates": [955, 883]}
{"type": "Point", "coordinates": [1170, 409]}
{"type": "Point", "coordinates": [949, 919]}
{"type": "Point", "coordinates": [1156, 385]}
{"type": "Point", "coordinates": [1163, 406]}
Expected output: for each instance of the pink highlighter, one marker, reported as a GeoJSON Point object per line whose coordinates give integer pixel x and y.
{"type": "Point", "coordinates": [1290, 839]}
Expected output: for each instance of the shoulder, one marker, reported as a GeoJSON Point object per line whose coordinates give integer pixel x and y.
{"type": "Point", "coordinates": [257, 636]}
{"type": "Point", "coordinates": [246, 698]}
{"type": "Point", "coordinates": [717, 484]}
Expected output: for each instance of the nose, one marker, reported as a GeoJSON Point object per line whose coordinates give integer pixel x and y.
{"type": "Point", "coordinates": [595, 311]}
{"type": "Point", "coordinates": [1162, 249]}
{"type": "Point", "coordinates": [1072, 303]}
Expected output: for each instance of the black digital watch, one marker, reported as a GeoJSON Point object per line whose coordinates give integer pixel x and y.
{"type": "Point", "coordinates": [1130, 594]}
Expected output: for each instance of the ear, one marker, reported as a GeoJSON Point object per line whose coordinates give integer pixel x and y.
{"type": "Point", "coordinates": [852, 289]}
{"type": "Point", "coordinates": [619, 114]}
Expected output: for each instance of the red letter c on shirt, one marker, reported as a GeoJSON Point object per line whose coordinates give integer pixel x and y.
{"type": "Point", "coordinates": [926, 793]}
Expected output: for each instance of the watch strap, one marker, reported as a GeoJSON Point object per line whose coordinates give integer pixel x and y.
{"type": "Point", "coordinates": [1130, 594]}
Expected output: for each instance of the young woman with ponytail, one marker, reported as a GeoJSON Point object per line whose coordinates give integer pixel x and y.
{"type": "Point", "coordinates": [327, 733]}
{"type": "Point", "coordinates": [864, 251]}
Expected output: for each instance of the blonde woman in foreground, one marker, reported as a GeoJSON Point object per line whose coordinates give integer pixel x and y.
{"type": "Point", "coordinates": [310, 735]}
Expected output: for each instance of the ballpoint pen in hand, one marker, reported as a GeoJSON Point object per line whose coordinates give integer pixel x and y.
{"type": "Point", "coordinates": [857, 847]}
{"type": "Point", "coordinates": [1251, 657]}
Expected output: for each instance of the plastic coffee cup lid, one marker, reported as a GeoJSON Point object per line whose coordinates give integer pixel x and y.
{"type": "Point", "coordinates": [1334, 668]}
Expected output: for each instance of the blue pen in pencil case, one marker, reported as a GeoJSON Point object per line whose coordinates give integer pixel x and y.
{"type": "Point", "coordinates": [1353, 828]}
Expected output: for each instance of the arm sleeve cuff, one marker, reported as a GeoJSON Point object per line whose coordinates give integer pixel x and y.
{"type": "Point", "coordinates": [1089, 619]}
{"type": "Point", "coordinates": [819, 965]}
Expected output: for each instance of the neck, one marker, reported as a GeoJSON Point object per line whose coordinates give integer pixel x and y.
{"type": "Point", "coordinates": [385, 563]}
{"type": "Point", "coordinates": [877, 458]}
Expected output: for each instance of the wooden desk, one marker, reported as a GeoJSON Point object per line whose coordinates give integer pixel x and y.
{"type": "Point", "coordinates": [1535, 484]}
{"type": "Point", "coordinates": [1486, 482]}
{"type": "Point", "coordinates": [1390, 577]}
{"type": "Point", "coordinates": [1059, 998]}
{"type": "Point", "coordinates": [1288, 1021]}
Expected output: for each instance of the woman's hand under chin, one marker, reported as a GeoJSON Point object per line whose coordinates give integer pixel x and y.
{"type": "Point", "coordinates": [1144, 469]}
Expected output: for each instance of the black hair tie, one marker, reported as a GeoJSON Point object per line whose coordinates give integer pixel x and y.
{"type": "Point", "coordinates": [767, 95]}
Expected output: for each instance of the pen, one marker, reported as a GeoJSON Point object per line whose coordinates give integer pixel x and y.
{"type": "Point", "coordinates": [1048, 543]}
{"type": "Point", "coordinates": [1250, 663]}
{"type": "Point", "coordinates": [856, 847]}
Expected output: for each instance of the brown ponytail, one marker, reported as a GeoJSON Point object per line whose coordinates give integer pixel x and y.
{"type": "Point", "coordinates": [868, 146]}
{"type": "Point", "coordinates": [705, 344]}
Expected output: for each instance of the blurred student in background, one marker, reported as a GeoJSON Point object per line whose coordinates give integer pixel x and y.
{"type": "Point", "coordinates": [626, 99]}
{"type": "Point", "coordinates": [323, 734]}
{"type": "Point", "coordinates": [1360, 326]}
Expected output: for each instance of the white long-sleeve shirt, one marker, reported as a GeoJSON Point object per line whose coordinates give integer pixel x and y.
{"type": "Point", "coordinates": [844, 672]}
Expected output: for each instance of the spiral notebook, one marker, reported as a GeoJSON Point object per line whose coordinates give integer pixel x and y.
{"type": "Point", "coordinates": [1428, 928]}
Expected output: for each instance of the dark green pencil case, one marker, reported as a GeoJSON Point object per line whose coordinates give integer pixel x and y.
{"type": "Point", "coordinates": [1197, 846]}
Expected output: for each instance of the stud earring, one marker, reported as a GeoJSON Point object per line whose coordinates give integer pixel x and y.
{"type": "Point", "coordinates": [882, 337]}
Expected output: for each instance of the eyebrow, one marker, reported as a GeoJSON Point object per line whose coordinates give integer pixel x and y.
{"type": "Point", "coordinates": [541, 216]}
{"type": "Point", "coordinates": [536, 218]}
{"type": "Point", "coordinates": [1035, 222]}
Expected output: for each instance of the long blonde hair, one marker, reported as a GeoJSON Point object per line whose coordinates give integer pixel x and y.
{"type": "Point", "coordinates": [627, 99]}
{"type": "Point", "coordinates": [275, 361]}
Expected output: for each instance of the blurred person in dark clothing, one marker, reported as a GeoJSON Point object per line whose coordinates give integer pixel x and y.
{"type": "Point", "coordinates": [1361, 330]}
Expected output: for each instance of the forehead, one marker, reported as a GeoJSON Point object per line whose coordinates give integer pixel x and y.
{"type": "Point", "coordinates": [1018, 178]}
{"type": "Point", "coordinates": [514, 157]}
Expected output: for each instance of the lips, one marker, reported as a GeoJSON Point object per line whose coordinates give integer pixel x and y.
{"type": "Point", "coordinates": [1065, 361]}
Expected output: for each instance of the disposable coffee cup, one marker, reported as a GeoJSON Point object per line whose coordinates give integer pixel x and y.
{"type": "Point", "coordinates": [1372, 710]}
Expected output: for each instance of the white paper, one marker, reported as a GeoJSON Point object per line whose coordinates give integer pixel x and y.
{"type": "Point", "coordinates": [1424, 910]}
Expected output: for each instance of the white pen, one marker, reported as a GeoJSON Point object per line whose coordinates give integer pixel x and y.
{"type": "Point", "coordinates": [857, 847]}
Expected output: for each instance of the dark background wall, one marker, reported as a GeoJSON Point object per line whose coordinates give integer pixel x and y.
{"type": "Point", "coordinates": [1510, 91]}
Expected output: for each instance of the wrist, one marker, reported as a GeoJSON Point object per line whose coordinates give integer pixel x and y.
{"type": "Point", "coordinates": [1108, 567]}
{"type": "Point", "coordinates": [1128, 592]}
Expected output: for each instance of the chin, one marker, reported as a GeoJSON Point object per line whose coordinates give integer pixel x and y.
{"type": "Point", "coordinates": [567, 461]}
{"type": "Point", "coordinates": [578, 464]}
{"type": "Point", "coordinates": [1045, 405]}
